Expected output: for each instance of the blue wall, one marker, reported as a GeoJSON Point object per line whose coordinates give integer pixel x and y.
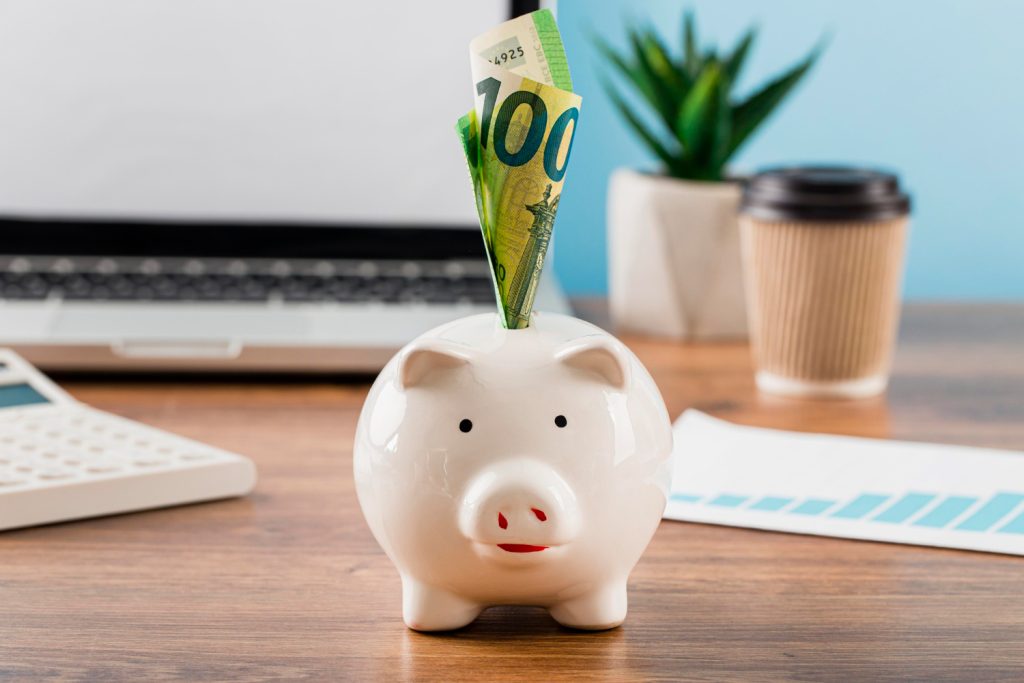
{"type": "Point", "coordinates": [933, 90]}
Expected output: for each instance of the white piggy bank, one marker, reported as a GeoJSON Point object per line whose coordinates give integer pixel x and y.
{"type": "Point", "coordinates": [526, 467]}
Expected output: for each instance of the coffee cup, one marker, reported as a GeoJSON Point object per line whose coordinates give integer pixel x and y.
{"type": "Point", "coordinates": [823, 253]}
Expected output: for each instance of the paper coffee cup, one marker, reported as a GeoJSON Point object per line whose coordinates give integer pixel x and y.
{"type": "Point", "coordinates": [823, 252]}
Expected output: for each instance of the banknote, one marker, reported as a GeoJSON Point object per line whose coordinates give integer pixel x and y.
{"type": "Point", "coordinates": [517, 141]}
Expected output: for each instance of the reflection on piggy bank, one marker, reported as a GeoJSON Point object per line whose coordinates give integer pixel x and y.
{"type": "Point", "coordinates": [525, 467]}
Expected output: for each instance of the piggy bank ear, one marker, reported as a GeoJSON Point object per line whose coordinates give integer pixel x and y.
{"type": "Point", "coordinates": [599, 355]}
{"type": "Point", "coordinates": [427, 356]}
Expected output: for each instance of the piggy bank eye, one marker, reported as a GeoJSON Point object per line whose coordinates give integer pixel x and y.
{"type": "Point", "coordinates": [560, 421]}
{"type": "Point", "coordinates": [465, 426]}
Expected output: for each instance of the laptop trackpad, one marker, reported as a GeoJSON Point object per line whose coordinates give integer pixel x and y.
{"type": "Point", "coordinates": [115, 324]}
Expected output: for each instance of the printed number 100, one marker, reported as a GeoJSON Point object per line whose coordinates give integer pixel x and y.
{"type": "Point", "coordinates": [534, 136]}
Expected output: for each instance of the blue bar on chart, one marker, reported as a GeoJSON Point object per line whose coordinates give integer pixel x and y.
{"type": "Point", "coordinates": [904, 508]}
{"type": "Point", "coordinates": [727, 500]}
{"type": "Point", "coordinates": [946, 511]}
{"type": "Point", "coordinates": [685, 497]}
{"type": "Point", "coordinates": [771, 504]}
{"type": "Point", "coordinates": [860, 506]}
{"type": "Point", "coordinates": [1014, 526]}
{"type": "Point", "coordinates": [812, 506]}
{"type": "Point", "coordinates": [991, 512]}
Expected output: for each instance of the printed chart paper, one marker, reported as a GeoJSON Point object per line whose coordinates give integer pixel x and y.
{"type": "Point", "coordinates": [894, 491]}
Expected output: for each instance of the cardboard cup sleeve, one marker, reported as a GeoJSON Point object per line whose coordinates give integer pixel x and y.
{"type": "Point", "coordinates": [823, 277]}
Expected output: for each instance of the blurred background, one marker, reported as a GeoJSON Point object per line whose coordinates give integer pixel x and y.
{"type": "Point", "coordinates": [926, 89]}
{"type": "Point", "coordinates": [273, 185]}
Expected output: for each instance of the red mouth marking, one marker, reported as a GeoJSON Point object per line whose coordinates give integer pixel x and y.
{"type": "Point", "coordinates": [521, 548]}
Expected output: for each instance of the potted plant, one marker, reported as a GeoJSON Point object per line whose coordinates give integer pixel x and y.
{"type": "Point", "coordinates": [673, 237]}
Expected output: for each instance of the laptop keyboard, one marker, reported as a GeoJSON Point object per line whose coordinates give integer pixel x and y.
{"type": "Point", "coordinates": [294, 281]}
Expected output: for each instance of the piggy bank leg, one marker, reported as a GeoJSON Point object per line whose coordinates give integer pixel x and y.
{"type": "Point", "coordinates": [602, 608]}
{"type": "Point", "coordinates": [427, 608]}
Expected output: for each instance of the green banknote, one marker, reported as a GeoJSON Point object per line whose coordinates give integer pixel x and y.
{"type": "Point", "coordinates": [517, 142]}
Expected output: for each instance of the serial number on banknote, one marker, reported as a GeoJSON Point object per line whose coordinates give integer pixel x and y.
{"type": "Point", "coordinates": [507, 56]}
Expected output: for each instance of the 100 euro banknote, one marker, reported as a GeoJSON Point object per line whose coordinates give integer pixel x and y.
{"type": "Point", "coordinates": [517, 141]}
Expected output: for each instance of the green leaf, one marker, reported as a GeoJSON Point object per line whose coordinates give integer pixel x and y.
{"type": "Point", "coordinates": [721, 134]}
{"type": "Point", "coordinates": [691, 62]}
{"type": "Point", "coordinates": [670, 160]}
{"type": "Point", "coordinates": [617, 60]}
{"type": "Point", "coordinates": [678, 80]}
{"type": "Point", "coordinates": [752, 112]}
{"type": "Point", "coordinates": [734, 62]}
{"type": "Point", "coordinates": [702, 118]}
{"type": "Point", "coordinates": [642, 78]}
{"type": "Point", "coordinates": [666, 96]}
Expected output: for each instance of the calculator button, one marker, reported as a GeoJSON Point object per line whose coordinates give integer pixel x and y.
{"type": "Point", "coordinates": [149, 460]}
{"type": "Point", "coordinates": [196, 455]}
{"type": "Point", "coordinates": [9, 480]}
{"type": "Point", "coordinates": [55, 473]}
{"type": "Point", "coordinates": [103, 466]}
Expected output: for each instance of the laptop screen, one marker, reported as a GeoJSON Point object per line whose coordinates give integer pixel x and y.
{"type": "Point", "coordinates": [316, 110]}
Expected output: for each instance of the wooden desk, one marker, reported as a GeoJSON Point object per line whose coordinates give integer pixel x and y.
{"type": "Point", "coordinates": [289, 583]}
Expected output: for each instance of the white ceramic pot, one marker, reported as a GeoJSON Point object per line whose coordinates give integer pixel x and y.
{"type": "Point", "coordinates": [674, 257]}
{"type": "Point", "coordinates": [524, 467]}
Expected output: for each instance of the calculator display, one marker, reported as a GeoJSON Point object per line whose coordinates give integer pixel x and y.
{"type": "Point", "coordinates": [14, 395]}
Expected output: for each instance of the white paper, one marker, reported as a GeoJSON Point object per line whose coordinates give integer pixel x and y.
{"type": "Point", "coordinates": [894, 491]}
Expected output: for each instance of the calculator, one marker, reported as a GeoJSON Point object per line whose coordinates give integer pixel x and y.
{"type": "Point", "coordinates": [62, 460]}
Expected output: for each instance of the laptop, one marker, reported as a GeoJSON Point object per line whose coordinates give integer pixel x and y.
{"type": "Point", "coordinates": [243, 185]}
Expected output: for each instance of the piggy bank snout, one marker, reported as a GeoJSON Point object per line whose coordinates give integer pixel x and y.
{"type": "Point", "coordinates": [519, 502]}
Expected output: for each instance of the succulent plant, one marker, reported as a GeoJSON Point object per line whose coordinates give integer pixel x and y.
{"type": "Point", "coordinates": [703, 122]}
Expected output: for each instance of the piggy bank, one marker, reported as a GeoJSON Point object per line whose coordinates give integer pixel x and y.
{"type": "Point", "coordinates": [526, 467]}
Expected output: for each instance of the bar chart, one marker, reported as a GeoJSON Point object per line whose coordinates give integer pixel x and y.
{"type": "Point", "coordinates": [915, 493]}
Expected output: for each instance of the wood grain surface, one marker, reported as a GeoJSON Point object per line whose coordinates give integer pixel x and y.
{"type": "Point", "coordinates": [289, 584]}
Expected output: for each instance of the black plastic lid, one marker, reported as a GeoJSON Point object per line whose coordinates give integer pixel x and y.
{"type": "Point", "coordinates": [824, 193]}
